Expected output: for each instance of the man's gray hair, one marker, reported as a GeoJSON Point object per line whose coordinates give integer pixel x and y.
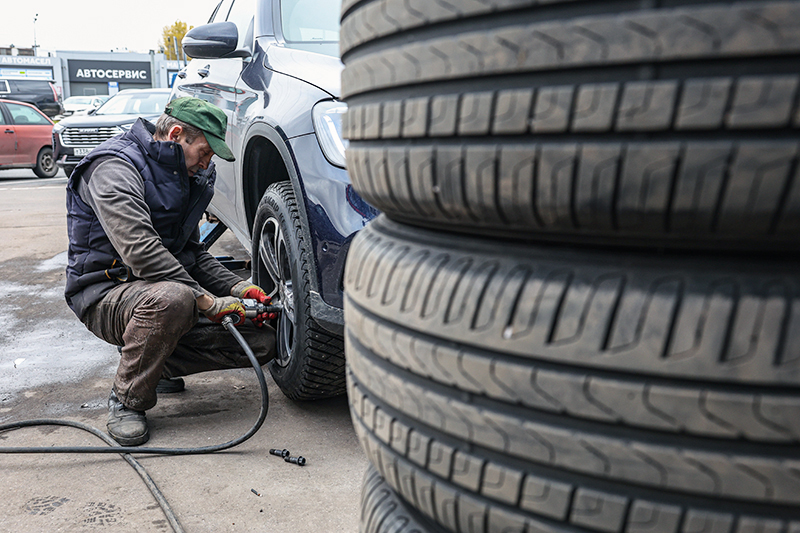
{"type": "Point", "coordinates": [166, 122]}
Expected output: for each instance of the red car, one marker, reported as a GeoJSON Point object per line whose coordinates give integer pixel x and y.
{"type": "Point", "coordinates": [26, 139]}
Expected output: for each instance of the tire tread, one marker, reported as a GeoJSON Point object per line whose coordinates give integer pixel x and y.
{"type": "Point", "coordinates": [686, 408]}
{"type": "Point", "coordinates": [718, 31]}
{"type": "Point", "coordinates": [715, 473]}
{"type": "Point", "coordinates": [322, 373]}
{"type": "Point", "coordinates": [703, 320]}
{"type": "Point", "coordinates": [415, 462]}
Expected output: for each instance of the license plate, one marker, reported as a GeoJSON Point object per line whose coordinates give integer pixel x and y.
{"type": "Point", "coordinates": [81, 151]}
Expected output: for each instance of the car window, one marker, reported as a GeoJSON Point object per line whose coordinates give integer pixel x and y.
{"type": "Point", "coordinates": [3, 86]}
{"type": "Point", "coordinates": [221, 13]}
{"type": "Point", "coordinates": [24, 115]}
{"type": "Point", "coordinates": [2, 116]}
{"type": "Point", "coordinates": [242, 14]}
{"type": "Point", "coordinates": [135, 104]}
{"type": "Point", "coordinates": [310, 20]}
{"type": "Point", "coordinates": [30, 86]}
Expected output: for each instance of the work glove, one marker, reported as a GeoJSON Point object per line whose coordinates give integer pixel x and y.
{"type": "Point", "coordinates": [245, 289]}
{"type": "Point", "coordinates": [226, 305]}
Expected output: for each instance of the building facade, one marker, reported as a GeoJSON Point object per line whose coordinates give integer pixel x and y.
{"type": "Point", "coordinates": [88, 73]}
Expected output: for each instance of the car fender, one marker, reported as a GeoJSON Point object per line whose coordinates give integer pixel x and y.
{"type": "Point", "coordinates": [328, 316]}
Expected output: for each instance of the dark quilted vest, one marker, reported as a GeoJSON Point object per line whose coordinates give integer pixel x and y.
{"type": "Point", "coordinates": [176, 203]}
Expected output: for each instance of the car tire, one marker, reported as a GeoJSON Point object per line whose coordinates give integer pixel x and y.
{"type": "Point", "coordinates": [540, 388]}
{"type": "Point", "coordinates": [583, 122]}
{"type": "Point", "coordinates": [309, 364]}
{"type": "Point", "coordinates": [45, 163]}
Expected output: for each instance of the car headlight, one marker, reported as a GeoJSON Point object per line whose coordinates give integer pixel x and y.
{"type": "Point", "coordinates": [125, 127]}
{"type": "Point", "coordinates": [327, 118]}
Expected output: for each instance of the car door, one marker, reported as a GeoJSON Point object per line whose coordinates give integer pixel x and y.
{"type": "Point", "coordinates": [8, 137]}
{"type": "Point", "coordinates": [214, 80]}
{"type": "Point", "coordinates": [33, 131]}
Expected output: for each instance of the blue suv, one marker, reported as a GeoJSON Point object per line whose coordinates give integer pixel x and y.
{"type": "Point", "coordinates": [273, 66]}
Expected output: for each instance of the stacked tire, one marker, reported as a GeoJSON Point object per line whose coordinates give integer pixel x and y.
{"type": "Point", "coordinates": [580, 310]}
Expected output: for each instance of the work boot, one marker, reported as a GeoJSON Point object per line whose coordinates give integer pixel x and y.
{"type": "Point", "coordinates": [126, 426]}
{"type": "Point", "coordinates": [170, 385]}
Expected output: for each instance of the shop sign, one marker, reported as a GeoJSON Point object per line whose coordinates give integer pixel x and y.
{"type": "Point", "coordinates": [106, 71]}
{"type": "Point", "coordinates": [26, 60]}
{"type": "Point", "coordinates": [26, 73]}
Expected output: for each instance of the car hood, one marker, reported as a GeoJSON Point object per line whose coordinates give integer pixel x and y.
{"type": "Point", "coordinates": [99, 121]}
{"type": "Point", "coordinates": [321, 71]}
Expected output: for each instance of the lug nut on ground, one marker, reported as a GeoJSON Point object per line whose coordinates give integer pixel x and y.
{"type": "Point", "coordinates": [280, 453]}
{"type": "Point", "coordinates": [299, 461]}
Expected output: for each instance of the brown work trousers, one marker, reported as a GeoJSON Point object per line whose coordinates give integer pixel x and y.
{"type": "Point", "coordinates": [158, 327]}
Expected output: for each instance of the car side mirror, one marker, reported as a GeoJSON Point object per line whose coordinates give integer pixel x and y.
{"type": "Point", "coordinates": [213, 41]}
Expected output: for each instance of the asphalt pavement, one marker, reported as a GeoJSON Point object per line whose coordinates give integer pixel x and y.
{"type": "Point", "coordinates": [52, 367]}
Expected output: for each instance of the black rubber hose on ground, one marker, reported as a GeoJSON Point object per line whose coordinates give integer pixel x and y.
{"type": "Point", "coordinates": [125, 451]}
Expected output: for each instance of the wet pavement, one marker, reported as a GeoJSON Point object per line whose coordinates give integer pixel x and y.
{"type": "Point", "coordinates": [51, 366]}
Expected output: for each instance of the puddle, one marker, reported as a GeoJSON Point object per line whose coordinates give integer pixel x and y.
{"type": "Point", "coordinates": [54, 351]}
{"type": "Point", "coordinates": [59, 262]}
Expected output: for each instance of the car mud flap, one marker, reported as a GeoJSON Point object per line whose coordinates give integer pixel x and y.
{"type": "Point", "coordinates": [329, 317]}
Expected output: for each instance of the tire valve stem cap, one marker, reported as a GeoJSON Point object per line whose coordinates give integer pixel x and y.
{"type": "Point", "coordinates": [280, 453]}
{"type": "Point", "coordinates": [299, 461]}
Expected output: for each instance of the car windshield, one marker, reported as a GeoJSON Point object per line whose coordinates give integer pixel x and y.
{"type": "Point", "coordinates": [144, 103]}
{"type": "Point", "coordinates": [78, 100]}
{"type": "Point", "coordinates": [310, 21]}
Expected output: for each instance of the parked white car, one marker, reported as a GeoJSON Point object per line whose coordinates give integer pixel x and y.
{"type": "Point", "coordinates": [80, 105]}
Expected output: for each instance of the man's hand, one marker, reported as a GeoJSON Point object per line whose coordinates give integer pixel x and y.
{"type": "Point", "coordinates": [224, 306]}
{"type": "Point", "coordinates": [245, 289]}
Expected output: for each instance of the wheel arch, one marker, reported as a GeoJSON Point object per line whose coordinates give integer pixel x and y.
{"type": "Point", "coordinates": [45, 147]}
{"type": "Point", "coordinates": [268, 159]}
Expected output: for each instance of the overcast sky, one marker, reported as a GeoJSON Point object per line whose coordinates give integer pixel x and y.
{"type": "Point", "coordinates": [96, 25]}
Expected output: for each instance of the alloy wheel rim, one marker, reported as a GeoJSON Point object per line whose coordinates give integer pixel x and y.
{"type": "Point", "coordinates": [274, 257]}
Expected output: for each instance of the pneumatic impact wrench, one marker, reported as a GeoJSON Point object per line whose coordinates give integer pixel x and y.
{"type": "Point", "coordinates": [253, 308]}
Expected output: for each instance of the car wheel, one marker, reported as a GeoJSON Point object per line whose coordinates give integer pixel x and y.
{"type": "Point", "coordinates": [535, 388]}
{"type": "Point", "coordinates": [650, 125]}
{"type": "Point", "coordinates": [45, 164]}
{"type": "Point", "coordinates": [309, 364]}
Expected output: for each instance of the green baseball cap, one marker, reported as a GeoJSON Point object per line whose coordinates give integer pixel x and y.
{"type": "Point", "coordinates": [206, 117]}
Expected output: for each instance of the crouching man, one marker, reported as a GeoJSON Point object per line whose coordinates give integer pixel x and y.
{"type": "Point", "coordinates": [138, 276]}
